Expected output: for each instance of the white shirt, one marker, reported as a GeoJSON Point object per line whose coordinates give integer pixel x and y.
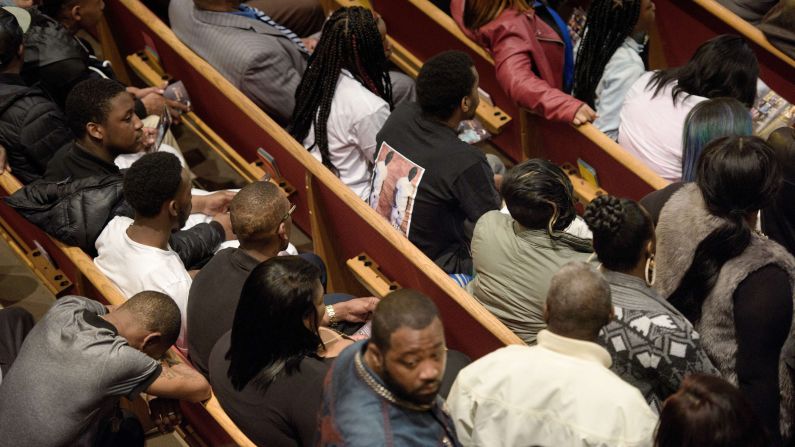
{"type": "Point", "coordinates": [557, 393]}
{"type": "Point", "coordinates": [620, 73]}
{"type": "Point", "coordinates": [356, 116]}
{"type": "Point", "coordinates": [651, 128]}
{"type": "Point", "coordinates": [135, 267]}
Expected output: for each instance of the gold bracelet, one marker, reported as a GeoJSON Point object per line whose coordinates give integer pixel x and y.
{"type": "Point", "coordinates": [332, 316]}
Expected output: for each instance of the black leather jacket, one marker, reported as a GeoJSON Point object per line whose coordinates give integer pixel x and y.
{"type": "Point", "coordinates": [75, 212]}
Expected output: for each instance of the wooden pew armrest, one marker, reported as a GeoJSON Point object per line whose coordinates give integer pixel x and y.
{"type": "Point", "coordinates": [367, 272]}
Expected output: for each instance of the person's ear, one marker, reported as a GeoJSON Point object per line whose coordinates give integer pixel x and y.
{"type": "Point", "coordinates": [650, 248]}
{"type": "Point", "coordinates": [376, 357]}
{"type": "Point", "coordinates": [173, 208]}
{"type": "Point", "coordinates": [466, 104]}
{"type": "Point", "coordinates": [21, 51]}
{"type": "Point", "coordinates": [151, 343]}
{"type": "Point", "coordinates": [75, 12]}
{"type": "Point", "coordinates": [95, 130]}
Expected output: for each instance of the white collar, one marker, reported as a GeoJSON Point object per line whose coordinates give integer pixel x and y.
{"type": "Point", "coordinates": [584, 350]}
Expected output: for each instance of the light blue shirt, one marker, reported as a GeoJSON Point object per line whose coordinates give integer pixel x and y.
{"type": "Point", "coordinates": [621, 71]}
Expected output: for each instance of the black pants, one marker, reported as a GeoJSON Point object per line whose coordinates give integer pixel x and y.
{"type": "Point", "coordinates": [15, 323]}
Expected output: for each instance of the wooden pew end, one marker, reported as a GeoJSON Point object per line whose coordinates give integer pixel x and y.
{"type": "Point", "coordinates": [366, 271]}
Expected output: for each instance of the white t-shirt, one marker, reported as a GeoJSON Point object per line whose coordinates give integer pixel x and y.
{"type": "Point", "coordinates": [135, 267]}
{"type": "Point", "coordinates": [651, 128]}
{"type": "Point", "coordinates": [356, 116]}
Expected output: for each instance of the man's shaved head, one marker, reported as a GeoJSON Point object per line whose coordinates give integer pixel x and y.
{"type": "Point", "coordinates": [404, 307]}
{"type": "Point", "coordinates": [257, 210]}
{"type": "Point", "coordinates": [155, 312]}
{"type": "Point", "coordinates": [578, 302]}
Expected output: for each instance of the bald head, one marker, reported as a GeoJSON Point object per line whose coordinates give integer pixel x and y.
{"type": "Point", "coordinates": [155, 312]}
{"type": "Point", "coordinates": [578, 302]}
{"type": "Point", "coordinates": [257, 211]}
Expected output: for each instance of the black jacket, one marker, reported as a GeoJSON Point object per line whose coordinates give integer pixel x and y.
{"type": "Point", "coordinates": [32, 128]}
{"type": "Point", "coordinates": [75, 212]}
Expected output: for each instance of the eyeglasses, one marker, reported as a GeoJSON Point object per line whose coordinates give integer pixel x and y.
{"type": "Point", "coordinates": [290, 212]}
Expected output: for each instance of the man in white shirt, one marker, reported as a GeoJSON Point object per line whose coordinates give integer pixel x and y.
{"type": "Point", "coordinates": [135, 254]}
{"type": "Point", "coordinates": [559, 392]}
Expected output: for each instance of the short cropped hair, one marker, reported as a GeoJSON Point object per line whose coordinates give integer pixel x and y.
{"type": "Point", "coordinates": [578, 301]}
{"type": "Point", "coordinates": [404, 307]}
{"type": "Point", "coordinates": [156, 312]}
{"type": "Point", "coordinates": [443, 81]}
{"type": "Point", "coordinates": [10, 37]}
{"type": "Point", "coordinates": [53, 8]}
{"type": "Point", "coordinates": [89, 102]}
{"type": "Point", "coordinates": [257, 210]}
{"type": "Point", "coordinates": [151, 181]}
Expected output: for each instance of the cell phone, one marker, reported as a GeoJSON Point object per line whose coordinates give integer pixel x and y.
{"type": "Point", "coordinates": [176, 91]}
{"type": "Point", "coordinates": [163, 124]}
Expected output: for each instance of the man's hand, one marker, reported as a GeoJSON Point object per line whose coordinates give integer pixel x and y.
{"type": "Point", "coordinates": [356, 310]}
{"type": "Point", "coordinates": [225, 220]}
{"type": "Point", "coordinates": [212, 204]}
{"type": "Point", "coordinates": [585, 114]}
{"type": "Point", "coordinates": [4, 166]}
{"type": "Point", "coordinates": [149, 138]}
{"type": "Point", "coordinates": [165, 413]}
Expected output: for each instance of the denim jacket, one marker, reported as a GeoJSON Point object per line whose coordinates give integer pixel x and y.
{"type": "Point", "coordinates": [354, 414]}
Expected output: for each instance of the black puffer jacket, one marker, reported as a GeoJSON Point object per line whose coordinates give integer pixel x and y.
{"type": "Point", "coordinates": [32, 128]}
{"type": "Point", "coordinates": [75, 212]}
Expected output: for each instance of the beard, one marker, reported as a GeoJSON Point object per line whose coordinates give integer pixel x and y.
{"type": "Point", "coordinates": [182, 217]}
{"type": "Point", "coordinates": [410, 395]}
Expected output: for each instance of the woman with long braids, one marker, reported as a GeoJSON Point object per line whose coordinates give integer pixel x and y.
{"type": "Point", "coordinates": [532, 51]}
{"type": "Point", "coordinates": [733, 283]}
{"type": "Point", "coordinates": [345, 96]}
{"type": "Point", "coordinates": [609, 57]}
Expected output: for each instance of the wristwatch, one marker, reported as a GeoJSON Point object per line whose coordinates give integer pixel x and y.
{"type": "Point", "coordinates": [332, 316]}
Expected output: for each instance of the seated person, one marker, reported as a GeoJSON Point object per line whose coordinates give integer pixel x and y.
{"type": "Point", "coordinates": [655, 107]}
{"type": "Point", "coordinates": [609, 57]}
{"type": "Point", "coordinates": [749, 10]}
{"type": "Point", "coordinates": [15, 323]}
{"type": "Point", "coordinates": [653, 345]}
{"type": "Point", "coordinates": [385, 391]}
{"type": "Point", "coordinates": [778, 218]}
{"type": "Point", "coordinates": [515, 255]}
{"type": "Point", "coordinates": [260, 215]}
{"type": "Point", "coordinates": [32, 128]}
{"type": "Point", "coordinates": [708, 120]}
{"type": "Point", "coordinates": [778, 26]}
{"type": "Point", "coordinates": [268, 370]}
{"type": "Point", "coordinates": [80, 359]}
{"type": "Point", "coordinates": [559, 392]}
{"type": "Point", "coordinates": [346, 92]}
{"type": "Point", "coordinates": [257, 55]}
{"type": "Point", "coordinates": [135, 254]}
{"type": "Point", "coordinates": [73, 16]}
{"type": "Point", "coordinates": [434, 182]}
{"type": "Point", "coordinates": [532, 53]}
{"type": "Point", "coordinates": [708, 411]}
{"type": "Point", "coordinates": [304, 17]}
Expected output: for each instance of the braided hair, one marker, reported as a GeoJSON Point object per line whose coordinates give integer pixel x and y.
{"type": "Point", "coordinates": [621, 229]}
{"type": "Point", "coordinates": [350, 40]}
{"type": "Point", "coordinates": [609, 23]}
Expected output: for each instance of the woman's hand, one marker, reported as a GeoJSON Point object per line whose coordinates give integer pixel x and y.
{"type": "Point", "coordinates": [585, 114]}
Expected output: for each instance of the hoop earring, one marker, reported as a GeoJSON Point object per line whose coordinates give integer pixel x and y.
{"type": "Point", "coordinates": [650, 273]}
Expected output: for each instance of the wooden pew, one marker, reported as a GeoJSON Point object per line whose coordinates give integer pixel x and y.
{"type": "Point", "coordinates": [424, 30]}
{"type": "Point", "coordinates": [684, 24]}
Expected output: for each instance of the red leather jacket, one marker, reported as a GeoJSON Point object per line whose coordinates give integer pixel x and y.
{"type": "Point", "coordinates": [528, 55]}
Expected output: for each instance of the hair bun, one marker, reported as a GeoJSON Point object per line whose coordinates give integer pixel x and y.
{"type": "Point", "coordinates": [604, 215]}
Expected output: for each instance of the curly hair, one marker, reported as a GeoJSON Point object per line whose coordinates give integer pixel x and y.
{"type": "Point", "coordinates": [620, 229]}
{"type": "Point", "coordinates": [151, 181]}
{"type": "Point", "coordinates": [443, 81]}
{"type": "Point", "coordinates": [89, 102]}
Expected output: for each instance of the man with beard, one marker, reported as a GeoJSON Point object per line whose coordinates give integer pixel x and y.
{"type": "Point", "coordinates": [385, 391]}
{"type": "Point", "coordinates": [135, 253]}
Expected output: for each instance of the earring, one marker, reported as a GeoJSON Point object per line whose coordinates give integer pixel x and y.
{"type": "Point", "coordinates": [651, 272]}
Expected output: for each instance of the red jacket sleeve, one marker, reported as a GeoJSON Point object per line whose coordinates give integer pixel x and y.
{"type": "Point", "coordinates": [514, 65]}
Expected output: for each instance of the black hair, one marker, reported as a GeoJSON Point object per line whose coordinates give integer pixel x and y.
{"type": "Point", "coordinates": [404, 307]}
{"type": "Point", "coordinates": [53, 8]}
{"type": "Point", "coordinates": [722, 66]}
{"type": "Point", "coordinates": [350, 40]}
{"type": "Point", "coordinates": [10, 37]}
{"type": "Point", "coordinates": [151, 181]}
{"type": "Point", "coordinates": [609, 23]}
{"type": "Point", "coordinates": [157, 312]}
{"type": "Point", "coordinates": [736, 176]}
{"type": "Point", "coordinates": [621, 229]}
{"type": "Point", "coordinates": [89, 102]}
{"type": "Point", "coordinates": [532, 187]}
{"type": "Point", "coordinates": [444, 80]}
{"type": "Point", "coordinates": [268, 332]}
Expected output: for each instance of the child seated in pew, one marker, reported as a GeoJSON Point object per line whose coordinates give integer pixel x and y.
{"type": "Point", "coordinates": [609, 57]}
{"type": "Point", "coordinates": [532, 53]}
{"type": "Point", "coordinates": [80, 359]}
{"type": "Point", "coordinates": [345, 96]}
{"type": "Point", "coordinates": [655, 107]}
